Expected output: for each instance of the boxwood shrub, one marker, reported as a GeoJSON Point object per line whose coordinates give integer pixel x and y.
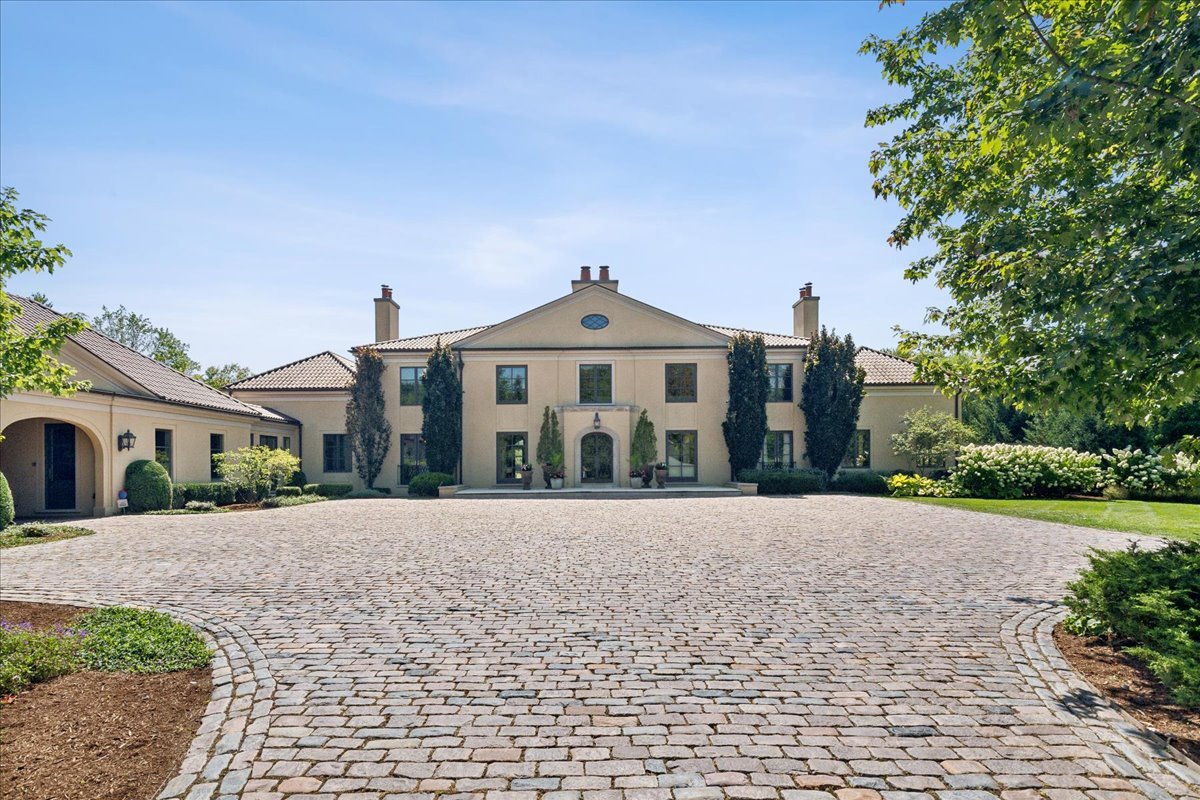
{"type": "Point", "coordinates": [289, 491]}
{"type": "Point", "coordinates": [799, 481]}
{"type": "Point", "coordinates": [426, 484]}
{"type": "Point", "coordinates": [219, 494]}
{"type": "Point", "coordinates": [310, 488]}
{"type": "Point", "coordinates": [7, 509]}
{"type": "Point", "coordinates": [332, 489]}
{"type": "Point", "coordinates": [148, 485]}
{"type": "Point", "coordinates": [860, 481]}
{"type": "Point", "coordinates": [298, 479]}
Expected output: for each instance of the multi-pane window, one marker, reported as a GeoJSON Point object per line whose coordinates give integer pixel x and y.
{"type": "Point", "coordinates": [412, 388]}
{"type": "Point", "coordinates": [287, 443]}
{"type": "Point", "coordinates": [777, 451]}
{"type": "Point", "coordinates": [681, 383]}
{"type": "Point", "coordinates": [681, 456]}
{"type": "Point", "coordinates": [595, 383]}
{"type": "Point", "coordinates": [336, 452]}
{"type": "Point", "coordinates": [216, 445]}
{"type": "Point", "coordinates": [412, 457]}
{"type": "Point", "coordinates": [512, 384]}
{"type": "Point", "coordinates": [510, 456]}
{"type": "Point", "coordinates": [163, 449]}
{"type": "Point", "coordinates": [779, 383]}
{"type": "Point", "coordinates": [268, 441]}
{"type": "Point", "coordinates": [858, 454]}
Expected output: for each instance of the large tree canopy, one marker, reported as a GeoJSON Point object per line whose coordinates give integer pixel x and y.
{"type": "Point", "coordinates": [1050, 150]}
{"type": "Point", "coordinates": [137, 332]}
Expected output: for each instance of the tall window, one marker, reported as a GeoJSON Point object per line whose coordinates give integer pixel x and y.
{"type": "Point", "coordinates": [595, 383]}
{"type": "Point", "coordinates": [412, 457]}
{"type": "Point", "coordinates": [681, 383]}
{"type": "Point", "coordinates": [216, 445]}
{"type": "Point", "coordinates": [777, 451]}
{"type": "Point", "coordinates": [779, 383]}
{"type": "Point", "coordinates": [163, 448]}
{"type": "Point", "coordinates": [287, 443]}
{"type": "Point", "coordinates": [858, 454]}
{"type": "Point", "coordinates": [412, 390]}
{"type": "Point", "coordinates": [512, 385]}
{"type": "Point", "coordinates": [268, 441]}
{"type": "Point", "coordinates": [681, 455]}
{"type": "Point", "coordinates": [337, 452]}
{"type": "Point", "coordinates": [510, 456]}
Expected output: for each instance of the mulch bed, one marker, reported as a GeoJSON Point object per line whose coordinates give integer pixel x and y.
{"type": "Point", "coordinates": [1131, 687]}
{"type": "Point", "coordinates": [95, 735]}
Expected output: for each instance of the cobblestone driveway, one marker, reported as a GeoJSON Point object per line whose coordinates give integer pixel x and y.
{"type": "Point", "coordinates": [613, 650]}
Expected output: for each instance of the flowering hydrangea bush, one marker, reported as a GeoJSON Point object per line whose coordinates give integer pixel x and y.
{"type": "Point", "coordinates": [1133, 469]}
{"type": "Point", "coordinates": [917, 486]}
{"type": "Point", "coordinates": [1021, 470]}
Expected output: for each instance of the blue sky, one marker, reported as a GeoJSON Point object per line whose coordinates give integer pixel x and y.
{"type": "Point", "coordinates": [248, 174]}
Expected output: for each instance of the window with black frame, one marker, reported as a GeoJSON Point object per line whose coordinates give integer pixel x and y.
{"type": "Point", "coordinates": [595, 383]}
{"type": "Point", "coordinates": [681, 383]}
{"type": "Point", "coordinates": [512, 385]}
{"type": "Point", "coordinates": [779, 383]}
{"type": "Point", "coordinates": [777, 451]}
{"type": "Point", "coordinates": [164, 449]}
{"type": "Point", "coordinates": [216, 446]}
{"type": "Point", "coordinates": [412, 388]}
{"type": "Point", "coordinates": [336, 452]}
{"type": "Point", "coordinates": [268, 441]}
{"type": "Point", "coordinates": [412, 457]}
{"type": "Point", "coordinates": [682, 464]}
{"type": "Point", "coordinates": [858, 454]}
{"type": "Point", "coordinates": [511, 453]}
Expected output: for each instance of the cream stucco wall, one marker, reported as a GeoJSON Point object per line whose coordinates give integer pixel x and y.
{"type": "Point", "coordinates": [319, 412]}
{"type": "Point", "coordinates": [882, 411]}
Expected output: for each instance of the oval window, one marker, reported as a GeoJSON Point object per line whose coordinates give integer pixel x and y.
{"type": "Point", "coordinates": [594, 322]}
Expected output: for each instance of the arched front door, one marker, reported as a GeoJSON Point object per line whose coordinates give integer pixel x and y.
{"type": "Point", "coordinates": [596, 458]}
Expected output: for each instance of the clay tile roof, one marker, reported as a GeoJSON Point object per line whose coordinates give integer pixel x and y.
{"type": "Point", "coordinates": [882, 368]}
{"type": "Point", "coordinates": [159, 380]}
{"type": "Point", "coordinates": [271, 415]}
{"type": "Point", "coordinates": [323, 371]}
{"type": "Point", "coordinates": [770, 339]}
{"type": "Point", "coordinates": [419, 343]}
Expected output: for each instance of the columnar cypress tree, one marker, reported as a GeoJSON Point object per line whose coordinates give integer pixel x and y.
{"type": "Point", "coordinates": [366, 423]}
{"type": "Point", "coordinates": [441, 410]}
{"type": "Point", "coordinates": [545, 438]}
{"type": "Point", "coordinates": [830, 399]}
{"type": "Point", "coordinates": [745, 425]}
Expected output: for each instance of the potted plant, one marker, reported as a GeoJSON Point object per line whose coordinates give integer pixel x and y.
{"type": "Point", "coordinates": [526, 476]}
{"type": "Point", "coordinates": [635, 478]}
{"type": "Point", "coordinates": [660, 474]}
{"type": "Point", "coordinates": [644, 450]}
{"type": "Point", "coordinates": [557, 472]}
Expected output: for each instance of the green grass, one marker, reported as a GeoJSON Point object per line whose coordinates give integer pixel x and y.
{"type": "Point", "coordinates": [39, 533]}
{"type": "Point", "coordinates": [1173, 520]}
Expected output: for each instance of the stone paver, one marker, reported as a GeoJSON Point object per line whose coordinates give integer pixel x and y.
{"type": "Point", "coordinates": [826, 648]}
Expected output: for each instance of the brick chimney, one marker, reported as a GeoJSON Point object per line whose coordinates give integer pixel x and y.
{"type": "Point", "coordinates": [387, 316]}
{"type": "Point", "coordinates": [585, 279]}
{"type": "Point", "coordinates": [805, 317]}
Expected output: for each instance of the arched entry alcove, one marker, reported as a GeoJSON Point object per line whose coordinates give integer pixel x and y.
{"type": "Point", "coordinates": [597, 457]}
{"type": "Point", "coordinates": [55, 465]}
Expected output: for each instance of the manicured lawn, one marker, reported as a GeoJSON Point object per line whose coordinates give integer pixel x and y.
{"type": "Point", "coordinates": [39, 533]}
{"type": "Point", "coordinates": [1174, 520]}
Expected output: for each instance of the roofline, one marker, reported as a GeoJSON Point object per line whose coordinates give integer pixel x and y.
{"type": "Point", "coordinates": [293, 389]}
{"type": "Point", "coordinates": [337, 357]}
{"type": "Point", "coordinates": [249, 412]}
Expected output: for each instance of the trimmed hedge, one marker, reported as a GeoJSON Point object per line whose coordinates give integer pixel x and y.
{"type": "Point", "coordinates": [309, 488]}
{"type": "Point", "coordinates": [148, 485]}
{"type": "Point", "coordinates": [298, 479]}
{"type": "Point", "coordinates": [426, 484]}
{"type": "Point", "coordinates": [330, 489]}
{"type": "Point", "coordinates": [219, 494]}
{"type": "Point", "coordinates": [8, 511]}
{"type": "Point", "coordinates": [860, 481]}
{"type": "Point", "coordinates": [289, 491]}
{"type": "Point", "coordinates": [284, 501]}
{"type": "Point", "coordinates": [799, 481]}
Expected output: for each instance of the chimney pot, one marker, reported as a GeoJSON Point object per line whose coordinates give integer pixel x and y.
{"type": "Point", "coordinates": [585, 273]}
{"type": "Point", "coordinates": [604, 273]}
{"type": "Point", "coordinates": [385, 292]}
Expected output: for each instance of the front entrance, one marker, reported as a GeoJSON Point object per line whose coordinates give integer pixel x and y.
{"type": "Point", "coordinates": [60, 466]}
{"type": "Point", "coordinates": [596, 458]}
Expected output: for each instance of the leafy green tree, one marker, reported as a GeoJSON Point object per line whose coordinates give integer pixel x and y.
{"type": "Point", "coordinates": [222, 376]}
{"type": "Point", "coordinates": [256, 472]}
{"type": "Point", "coordinates": [830, 399]}
{"type": "Point", "coordinates": [28, 358]}
{"type": "Point", "coordinates": [643, 450]}
{"type": "Point", "coordinates": [1060, 427]}
{"type": "Point", "coordinates": [366, 421]}
{"type": "Point", "coordinates": [137, 332]}
{"type": "Point", "coordinates": [929, 438]}
{"type": "Point", "coordinates": [745, 425]}
{"type": "Point", "coordinates": [1049, 151]}
{"type": "Point", "coordinates": [993, 420]}
{"type": "Point", "coordinates": [441, 410]}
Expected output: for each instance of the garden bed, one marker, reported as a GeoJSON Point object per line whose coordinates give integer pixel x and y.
{"type": "Point", "coordinates": [1130, 686]}
{"type": "Point", "coordinates": [95, 735]}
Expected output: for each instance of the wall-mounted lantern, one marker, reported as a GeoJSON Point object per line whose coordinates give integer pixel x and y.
{"type": "Point", "coordinates": [596, 421]}
{"type": "Point", "coordinates": [126, 440]}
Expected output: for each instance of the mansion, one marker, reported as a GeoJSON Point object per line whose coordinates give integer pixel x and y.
{"type": "Point", "coordinates": [596, 356]}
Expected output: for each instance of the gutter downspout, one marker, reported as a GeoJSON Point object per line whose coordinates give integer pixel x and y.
{"type": "Point", "coordinates": [459, 360]}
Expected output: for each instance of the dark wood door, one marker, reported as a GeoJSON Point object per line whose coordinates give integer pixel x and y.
{"type": "Point", "coordinates": [60, 466]}
{"type": "Point", "coordinates": [596, 458]}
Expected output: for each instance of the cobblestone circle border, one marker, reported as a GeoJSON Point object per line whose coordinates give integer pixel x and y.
{"type": "Point", "coordinates": [1156, 768]}
{"type": "Point", "coordinates": [233, 728]}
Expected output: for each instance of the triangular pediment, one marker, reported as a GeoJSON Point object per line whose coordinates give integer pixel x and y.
{"type": "Point", "coordinates": [559, 324]}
